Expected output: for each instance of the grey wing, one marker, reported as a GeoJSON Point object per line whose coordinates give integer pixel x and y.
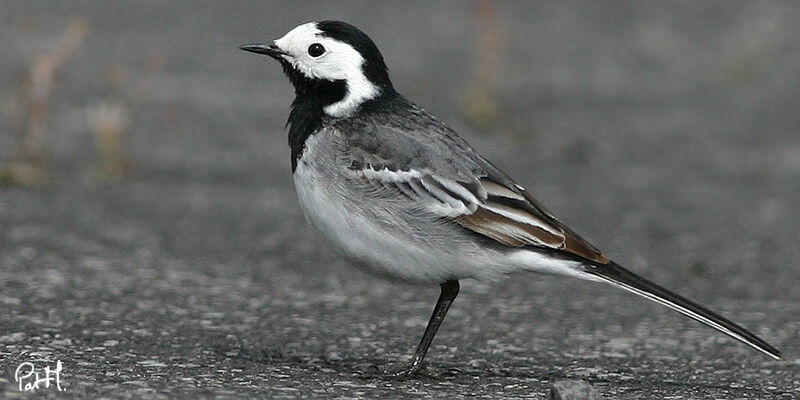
{"type": "Point", "coordinates": [440, 173]}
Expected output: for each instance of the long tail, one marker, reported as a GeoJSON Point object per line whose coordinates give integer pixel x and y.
{"type": "Point", "coordinates": [616, 275]}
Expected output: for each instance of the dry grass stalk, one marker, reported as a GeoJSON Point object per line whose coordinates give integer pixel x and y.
{"type": "Point", "coordinates": [480, 105]}
{"type": "Point", "coordinates": [29, 167]}
{"type": "Point", "coordinates": [109, 120]}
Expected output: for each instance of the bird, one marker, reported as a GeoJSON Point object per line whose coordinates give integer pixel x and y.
{"type": "Point", "coordinates": [402, 196]}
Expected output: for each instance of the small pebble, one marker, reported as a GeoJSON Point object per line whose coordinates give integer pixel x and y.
{"type": "Point", "coordinates": [573, 390]}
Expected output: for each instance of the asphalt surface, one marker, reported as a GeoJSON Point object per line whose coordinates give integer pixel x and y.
{"type": "Point", "coordinates": [665, 132]}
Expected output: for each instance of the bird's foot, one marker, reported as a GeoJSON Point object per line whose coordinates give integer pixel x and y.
{"type": "Point", "coordinates": [394, 371]}
{"type": "Point", "coordinates": [400, 370]}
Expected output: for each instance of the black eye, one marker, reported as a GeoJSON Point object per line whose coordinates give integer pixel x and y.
{"type": "Point", "coordinates": [315, 50]}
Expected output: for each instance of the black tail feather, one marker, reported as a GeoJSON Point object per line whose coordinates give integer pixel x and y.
{"type": "Point", "coordinates": [618, 276]}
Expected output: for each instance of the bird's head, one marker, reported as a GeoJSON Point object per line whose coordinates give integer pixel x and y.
{"type": "Point", "coordinates": [332, 62]}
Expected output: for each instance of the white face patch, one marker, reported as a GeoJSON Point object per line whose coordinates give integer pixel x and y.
{"type": "Point", "coordinates": [340, 61]}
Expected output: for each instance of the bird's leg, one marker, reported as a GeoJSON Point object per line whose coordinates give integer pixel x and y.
{"type": "Point", "coordinates": [449, 293]}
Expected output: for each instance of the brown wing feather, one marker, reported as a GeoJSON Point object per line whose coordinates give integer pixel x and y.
{"type": "Point", "coordinates": [573, 242]}
{"type": "Point", "coordinates": [530, 224]}
{"type": "Point", "coordinates": [493, 206]}
{"type": "Point", "coordinates": [508, 231]}
{"type": "Point", "coordinates": [579, 246]}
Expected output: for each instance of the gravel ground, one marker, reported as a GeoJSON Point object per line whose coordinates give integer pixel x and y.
{"type": "Point", "coordinates": [666, 132]}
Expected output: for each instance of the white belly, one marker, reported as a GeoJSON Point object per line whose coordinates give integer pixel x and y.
{"type": "Point", "coordinates": [363, 240]}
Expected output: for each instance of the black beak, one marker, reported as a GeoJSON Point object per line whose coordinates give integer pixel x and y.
{"type": "Point", "coordinates": [268, 49]}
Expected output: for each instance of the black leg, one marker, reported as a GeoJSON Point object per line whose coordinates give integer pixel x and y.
{"type": "Point", "coordinates": [449, 293]}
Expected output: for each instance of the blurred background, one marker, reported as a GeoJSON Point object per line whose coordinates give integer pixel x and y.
{"type": "Point", "coordinates": [148, 217]}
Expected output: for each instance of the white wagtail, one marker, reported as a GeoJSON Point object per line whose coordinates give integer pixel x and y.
{"type": "Point", "coordinates": [406, 198]}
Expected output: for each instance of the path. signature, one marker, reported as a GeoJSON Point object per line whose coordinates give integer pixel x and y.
{"type": "Point", "coordinates": [30, 380]}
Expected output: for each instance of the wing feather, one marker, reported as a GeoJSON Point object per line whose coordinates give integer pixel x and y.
{"type": "Point", "coordinates": [459, 186]}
